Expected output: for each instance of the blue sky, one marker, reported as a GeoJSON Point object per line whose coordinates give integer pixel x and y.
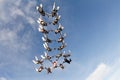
{"type": "Point", "coordinates": [92, 27]}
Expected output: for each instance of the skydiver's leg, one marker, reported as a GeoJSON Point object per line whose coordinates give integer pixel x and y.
{"type": "Point", "coordinates": [36, 58]}
{"type": "Point", "coordinates": [36, 70]}
{"type": "Point", "coordinates": [35, 62]}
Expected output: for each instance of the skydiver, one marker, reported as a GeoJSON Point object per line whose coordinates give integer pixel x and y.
{"type": "Point", "coordinates": [43, 30]}
{"type": "Point", "coordinates": [61, 66]}
{"type": "Point", "coordinates": [54, 64]}
{"type": "Point", "coordinates": [67, 61]}
{"type": "Point", "coordinates": [57, 31]}
{"type": "Point", "coordinates": [56, 20]}
{"type": "Point", "coordinates": [40, 21]}
{"type": "Point", "coordinates": [46, 39]}
{"type": "Point", "coordinates": [62, 46]}
{"type": "Point", "coordinates": [48, 70]}
{"type": "Point", "coordinates": [58, 56]}
{"type": "Point", "coordinates": [60, 28]}
{"type": "Point", "coordinates": [46, 56]}
{"type": "Point", "coordinates": [60, 39]}
{"type": "Point", "coordinates": [55, 10]}
{"type": "Point", "coordinates": [43, 57]}
{"type": "Point", "coordinates": [37, 61]}
{"type": "Point", "coordinates": [47, 47]}
{"type": "Point", "coordinates": [66, 55]}
{"type": "Point", "coordinates": [40, 9]}
{"type": "Point", "coordinates": [39, 69]}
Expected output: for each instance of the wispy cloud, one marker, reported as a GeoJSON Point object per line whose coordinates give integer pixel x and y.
{"type": "Point", "coordinates": [2, 78]}
{"type": "Point", "coordinates": [106, 72]}
{"type": "Point", "coordinates": [14, 8]}
{"type": "Point", "coordinates": [16, 25]}
{"type": "Point", "coordinates": [10, 38]}
{"type": "Point", "coordinates": [100, 72]}
{"type": "Point", "coordinates": [115, 71]}
{"type": "Point", "coordinates": [12, 25]}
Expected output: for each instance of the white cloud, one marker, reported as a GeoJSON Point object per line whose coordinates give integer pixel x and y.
{"type": "Point", "coordinates": [17, 3]}
{"type": "Point", "coordinates": [15, 17]}
{"type": "Point", "coordinates": [106, 72]}
{"type": "Point", "coordinates": [11, 39]}
{"type": "Point", "coordinates": [30, 20]}
{"type": "Point", "coordinates": [14, 9]}
{"type": "Point", "coordinates": [2, 78]}
{"type": "Point", "coordinates": [100, 72]}
{"type": "Point", "coordinates": [10, 13]}
{"type": "Point", "coordinates": [115, 71]}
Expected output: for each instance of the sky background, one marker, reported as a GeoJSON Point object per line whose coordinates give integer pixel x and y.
{"type": "Point", "coordinates": [93, 36]}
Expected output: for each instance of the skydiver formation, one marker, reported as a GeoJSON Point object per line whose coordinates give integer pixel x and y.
{"type": "Point", "coordinates": [43, 25]}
